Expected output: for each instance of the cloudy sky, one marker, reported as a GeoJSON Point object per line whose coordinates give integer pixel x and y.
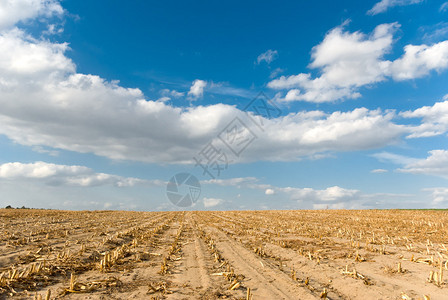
{"type": "Point", "coordinates": [290, 105]}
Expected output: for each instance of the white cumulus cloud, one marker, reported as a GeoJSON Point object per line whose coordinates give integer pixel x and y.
{"type": "Point", "coordinates": [435, 164]}
{"type": "Point", "coordinates": [211, 202]}
{"type": "Point", "coordinates": [197, 89]}
{"type": "Point", "coordinates": [348, 61]}
{"type": "Point", "coordinates": [46, 103]}
{"type": "Point", "coordinates": [269, 192]}
{"type": "Point", "coordinates": [14, 11]}
{"type": "Point", "coordinates": [434, 120]}
{"type": "Point", "coordinates": [65, 175]}
{"type": "Point", "coordinates": [330, 194]}
{"type": "Point", "coordinates": [311, 198]}
{"type": "Point", "coordinates": [439, 196]}
{"type": "Point", "coordinates": [419, 61]}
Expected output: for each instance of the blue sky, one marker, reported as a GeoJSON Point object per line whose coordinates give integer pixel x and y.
{"type": "Point", "coordinates": [102, 104]}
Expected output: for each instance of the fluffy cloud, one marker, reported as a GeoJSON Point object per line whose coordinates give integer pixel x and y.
{"type": "Point", "coordinates": [331, 194]}
{"type": "Point", "coordinates": [197, 89]}
{"type": "Point", "coordinates": [311, 198]}
{"type": "Point", "coordinates": [66, 175]}
{"type": "Point", "coordinates": [439, 196]}
{"type": "Point", "coordinates": [418, 61]}
{"type": "Point", "coordinates": [334, 195]}
{"type": "Point", "coordinates": [12, 12]}
{"type": "Point", "coordinates": [435, 164]}
{"type": "Point", "coordinates": [86, 114]}
{"type": "Point", "coordinates": [46, 103]}
{"type": "Point", "coordinates": [211, 202]}
{"type": "Point", "coordinates": [349, 61]}
{"type": "Point", "coordinates": [384, 5]}
{"type": "Point", "coordinates": [24, 58]}
{"type": "Point", "coordinates": [378, 171]}
{"type": "Point", "coordinates": [39, 170]}
{"type": "Point", "coordinates": [269, 192]}
{"type": "Point", "coordinates": [268, 56]}
{"type": "Point", "coordinates": [306, 133]}
{"type": "Point", "coordinates": [434, 120]}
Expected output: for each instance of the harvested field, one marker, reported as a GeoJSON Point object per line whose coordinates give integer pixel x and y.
{"type": "Point", "coordinates": [332, 254]}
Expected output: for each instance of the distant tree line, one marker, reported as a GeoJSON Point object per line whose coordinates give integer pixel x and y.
{"type": "Point", "coordinates": [10, 207]}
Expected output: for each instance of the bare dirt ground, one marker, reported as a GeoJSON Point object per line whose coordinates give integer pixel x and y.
{"type": "Point", "coordinates": [331, 254]}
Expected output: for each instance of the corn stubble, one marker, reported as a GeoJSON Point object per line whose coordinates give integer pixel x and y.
{"type": "Point", "coordinates": [57, 248]}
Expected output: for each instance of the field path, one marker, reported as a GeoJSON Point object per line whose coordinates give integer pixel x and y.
{"type": "Point", "coordinates": [192, 274]}
{"type": "Point", "coordinates": [267, 282]}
